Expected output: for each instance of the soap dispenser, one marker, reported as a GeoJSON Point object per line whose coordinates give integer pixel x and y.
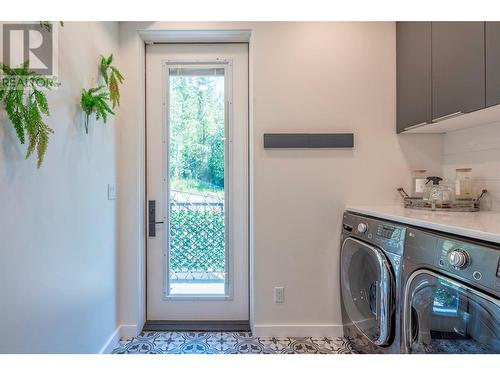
{"type": "Point", "coordinates": [432, 191]}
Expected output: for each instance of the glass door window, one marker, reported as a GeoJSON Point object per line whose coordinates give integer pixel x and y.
{"type": "Point", "coordinates": [443, 316]}
{"type": "Point", "coordinates": [197, 192]}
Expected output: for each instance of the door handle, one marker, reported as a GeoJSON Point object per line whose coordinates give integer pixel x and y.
{"type": "Point", "coordinates": [152, 218]}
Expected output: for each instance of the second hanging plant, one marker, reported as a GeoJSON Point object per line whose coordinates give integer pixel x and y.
{"type": "Point", "coordinates": [112, 77]}
{"type": "Point", "coordinates": [95, 100]}
{"type": "Point", "coordinates": [98, 99]}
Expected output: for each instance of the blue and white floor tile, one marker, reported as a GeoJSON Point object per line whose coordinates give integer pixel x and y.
{"type": "Point", "coordinates": [149, 342]}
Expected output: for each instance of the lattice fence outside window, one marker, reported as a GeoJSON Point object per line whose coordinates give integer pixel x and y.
{"type": "Point", "coordinates": [197, 236]}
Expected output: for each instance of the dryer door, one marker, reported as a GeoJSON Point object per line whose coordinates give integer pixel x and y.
{"type": "Point", "coordinates": [442, 315]}
{"type": "Point", "coordinates": [367, 289]}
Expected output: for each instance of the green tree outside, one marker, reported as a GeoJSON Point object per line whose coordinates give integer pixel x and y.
{"type": "Point", "coordinates": [197, 133]}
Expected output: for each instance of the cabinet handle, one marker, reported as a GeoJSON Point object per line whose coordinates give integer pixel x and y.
{"type": "Point", "coordinates": [416, 126]}
{"type": "Point", "coordinates": [446, 117]}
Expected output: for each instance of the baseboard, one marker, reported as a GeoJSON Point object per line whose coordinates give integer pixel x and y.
{"type": "Point", "coordinates": [111, 342]}
{"type": "Point", "coordinates": [124, 330]}
{"type": "Point", "coordinates": [298, 330]}
{"type": "Point", "coordinates": [129, 330]}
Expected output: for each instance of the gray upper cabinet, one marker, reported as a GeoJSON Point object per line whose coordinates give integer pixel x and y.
{"type": "Point", "coordinates": [413, 46]}
{"type": "Point", "coordinates": [492, 63]}
{"type": "Point", "coordinates": [458, 68]}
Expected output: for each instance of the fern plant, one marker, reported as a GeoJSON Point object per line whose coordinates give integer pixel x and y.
{"type": "Point", "coordinates": [95, 101]}
{"type": "Point", "coordinates": [23, 97]}
{"type": "Point", "coordinates": [47, 25]}
{"type": "Point", "coordinates": [112, 77]}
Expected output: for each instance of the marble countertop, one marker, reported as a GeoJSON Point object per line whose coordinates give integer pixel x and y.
{"type": "Point", "coordinates": [483, 225]}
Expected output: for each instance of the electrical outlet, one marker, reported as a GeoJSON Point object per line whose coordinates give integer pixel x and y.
{"type": "Point", "coordinates": [111, 192]}
{"type": "Point", "coordinates": [279, 294]}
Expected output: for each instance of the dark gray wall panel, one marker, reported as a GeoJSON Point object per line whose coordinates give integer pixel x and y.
{"type": "Point", "coordinates": [306, 140]}
{"type": "Point", "coordinates": [413, 54]}
{"type": "Point", "coordinates": [458, 67]}
{"type": "Point", "coordinates": [492, 63]}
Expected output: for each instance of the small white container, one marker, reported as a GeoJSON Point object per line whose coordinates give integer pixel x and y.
{"type": "Point", "coordinates": [418, 181]}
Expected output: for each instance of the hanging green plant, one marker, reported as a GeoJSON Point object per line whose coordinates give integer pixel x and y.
{"type": "Point", "coordinates": [112, 77]}
{"type": "Point", "coordinates": [95, 101]}
{"type": "Point", "coordinates": [22, 93]}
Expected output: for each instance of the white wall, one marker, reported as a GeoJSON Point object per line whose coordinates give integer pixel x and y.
{"type": "Point", "coordinates": [477, 148]}
{"type": "Point", "coordinates": [57, 229]}
{"type": "Point", "coordinates": [307, 77]}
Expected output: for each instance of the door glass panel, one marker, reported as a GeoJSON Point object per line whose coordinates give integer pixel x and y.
{"type": "Point", "coordinates": [361, 273]}
{"type": "Point", "coordinates": [444, 317]}
{"type": "Point", "coordinates": [197, 173]}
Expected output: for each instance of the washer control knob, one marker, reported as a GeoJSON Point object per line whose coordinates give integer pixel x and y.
{"type": "Point", "coordinates": [362, 227]}
{"type": "Point", "coordinates": [458, 258]}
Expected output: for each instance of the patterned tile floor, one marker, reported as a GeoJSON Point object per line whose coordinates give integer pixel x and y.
{"type": "Point", "coordinates": [149, 342]}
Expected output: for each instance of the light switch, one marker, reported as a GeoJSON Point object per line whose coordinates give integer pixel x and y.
{"type": "Point", "coordinates": [111, 192]}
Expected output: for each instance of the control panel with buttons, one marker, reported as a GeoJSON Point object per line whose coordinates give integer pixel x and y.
{"type": "Point", "coordinates": [387, 236]}
{"type": "Point", "coordinates": [387, 231]}
{"type": "Point", "coordinates": [477, 264]}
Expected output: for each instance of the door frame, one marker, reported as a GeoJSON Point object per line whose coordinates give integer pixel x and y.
{"type": "Point", "coordinates": [210, 36]}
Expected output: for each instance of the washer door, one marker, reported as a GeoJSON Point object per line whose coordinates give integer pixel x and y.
{"type": "Point", "coordinates": [442, 315]}
{"type": "Point", "coordinates": [367, 289]}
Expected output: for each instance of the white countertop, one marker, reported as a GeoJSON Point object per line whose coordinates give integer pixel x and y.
{"type": "Point", "coordinates": [483, 225]}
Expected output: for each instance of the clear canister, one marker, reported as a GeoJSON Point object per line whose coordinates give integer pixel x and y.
{"type": "Point", "coordinates": [463, 183]}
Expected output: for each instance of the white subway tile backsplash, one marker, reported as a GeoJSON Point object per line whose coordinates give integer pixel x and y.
{"type": "Point", "coordinates": [477, 148]}
{"type": "Point", "coordinates": [485, 164]}
{"type": "Point", "coordinates": [481, 138]}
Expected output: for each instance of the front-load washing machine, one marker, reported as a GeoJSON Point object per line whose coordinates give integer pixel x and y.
{"type": "Point", "coordinates": [451, 301]}
{"type": "Point", "coordinates": [370, 268]}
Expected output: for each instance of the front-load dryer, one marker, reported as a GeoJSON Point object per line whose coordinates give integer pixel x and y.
{"type": "Point", "coordinates": [451, 300]}
{"type": "Point", "coordinates": [370, 268]}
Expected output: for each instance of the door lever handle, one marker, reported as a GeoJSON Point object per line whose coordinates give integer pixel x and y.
{"type": "Point", "coordinates": [152, 218]}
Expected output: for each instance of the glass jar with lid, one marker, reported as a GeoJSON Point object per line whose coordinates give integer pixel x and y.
{"type": "Point", "coordinates": [463, 183]}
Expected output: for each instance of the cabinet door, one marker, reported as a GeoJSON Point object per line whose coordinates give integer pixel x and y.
{"type": "Point", "coordinates": [413, 54]}
{"type": "Point", "coordinates": [492, 63]}
{"type": "Point", "coordinates": [458, 68]}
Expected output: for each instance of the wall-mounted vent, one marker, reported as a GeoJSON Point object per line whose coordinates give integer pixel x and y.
{"type": "Point", "coordinates": [307, 140]}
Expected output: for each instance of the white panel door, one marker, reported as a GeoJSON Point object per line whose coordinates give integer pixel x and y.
{"type": "Point", "coordinates": [197, 176]}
